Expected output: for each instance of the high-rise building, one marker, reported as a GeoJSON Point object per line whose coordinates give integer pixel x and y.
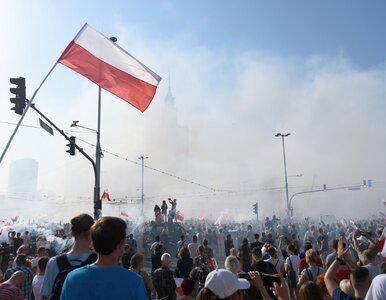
{"type": "Point", "coordinates": [23, 178]}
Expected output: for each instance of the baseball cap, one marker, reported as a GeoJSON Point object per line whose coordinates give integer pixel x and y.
{"type": "Point", "coordinates": [224, 283]}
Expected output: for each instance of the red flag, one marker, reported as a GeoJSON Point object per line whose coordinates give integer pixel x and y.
{"type": "Point", "coordinates": [100, 60]}
{"type": "Point", "coordinates": [105, 196]}
{"type": "Point", "coordinates": [179, 216]}
{"type": "Point", "coordinates": [218, 221]}
{"type": "Point", "coordinates": [124, 214]}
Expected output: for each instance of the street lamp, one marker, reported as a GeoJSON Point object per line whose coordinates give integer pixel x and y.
{"type": "Point", "coordinates": [142, 195]}
{"type": "Point", "coordinates": [285, 174]}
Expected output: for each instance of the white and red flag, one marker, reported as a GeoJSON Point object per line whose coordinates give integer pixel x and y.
{"type": "Point", "coordinates": [99, 59]}
{"type": "Point", "coordinates": [179, 216]}
{"type": "Point", "coordinates": [218, 221]}
{"type": "Point", "coordinates": [105, 196]}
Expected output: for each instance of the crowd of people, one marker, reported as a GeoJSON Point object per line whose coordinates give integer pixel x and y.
{"type": "Point", "coordinates": [273, 260]}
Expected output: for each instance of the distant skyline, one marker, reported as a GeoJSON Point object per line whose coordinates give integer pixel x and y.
{"type": "Point", "coordinates": [240, 73]}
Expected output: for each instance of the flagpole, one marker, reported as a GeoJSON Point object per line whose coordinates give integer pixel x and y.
{"type": "Point", "coordinates": [25, 112]}
{"type": "Point", "coordinates": [98, 152]}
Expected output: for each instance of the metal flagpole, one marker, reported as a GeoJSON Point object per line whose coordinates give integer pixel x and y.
{"type": "Point", "coordinates": [25, 112]}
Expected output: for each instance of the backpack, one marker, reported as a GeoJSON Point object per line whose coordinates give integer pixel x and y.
{"type": "Point", "coordinates": [291, 276]}
{"type": "Point", "coordinates": [64, 268]}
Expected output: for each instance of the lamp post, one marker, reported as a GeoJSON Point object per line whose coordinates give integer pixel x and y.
{"type": "Point", "coordinates": [285, 173]}
{"type": "Point", "coordinates": [142, 195]}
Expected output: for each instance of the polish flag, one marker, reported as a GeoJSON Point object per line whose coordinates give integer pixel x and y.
{"type": "Point", "coordinates": [218, 221]}
{"type": "Point", "coordinates": [179, 216]}
{"type": "Point", "coordinates": [105, 196]}
{"type": "Point", "coordinates": [99, 59]}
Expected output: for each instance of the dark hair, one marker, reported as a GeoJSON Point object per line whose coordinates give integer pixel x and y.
{"type": "Point", "coordinates": [182, 237]}
{"type": "Point", "coordinates": [257, 251]}
{"type": "Point", "coordinates": [158, 248]}
{"type": "Point", "coordinates": [335, 244]}
{"type": "Point", "coordinates": [291, 247]}
{"type": "Point", "coordinates": [360, 278]}
{"type": "Point", "coordinates": [205, 242]}
{"type": "Point", "coordinates": [42, 262]}
{"type": "Point", "coordinates": [257, 236]}
{"type": "Point", "coordinates": [81, 224]}
{"type": "Point", "coordinates": [310, 291]}
{"type": "Point", "coordinates": [157, 238]}
{"type": "Point", "coordinates": [187, 286]}
{"type": "Point", "coordinates": [307, 246]}
{"type": "Point", "coordinates": [206, 294]}
{"type": "Point", "coordinates": [20, 260]}
{"type": "Point", "coordinates": [271, 251]}
{"type": "Point", "coordinates": [107, 233]}
{"type": "Point", "coordinates": [184, 252]}
{"type": "Point", "coordinates": [194, 238]}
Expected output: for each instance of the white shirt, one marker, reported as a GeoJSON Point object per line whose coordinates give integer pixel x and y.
{"type": "Point", "coordinates": [37, 283]}
{"type": "Point", "coordinates": [193, 249]}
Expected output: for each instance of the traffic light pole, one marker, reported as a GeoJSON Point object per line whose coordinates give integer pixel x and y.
{"type": "Point", "coordinates": [96, 190]}
{"type": "Point", "coordinates": [25, 112]}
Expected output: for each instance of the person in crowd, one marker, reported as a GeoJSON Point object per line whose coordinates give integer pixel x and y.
{"type": "Point", "coordinates": [245, 256]}
{"type": "Point", "coordinates": [228, 245]}
{"type": "Point", "coordinates": [322, 241]}
{"type": "Point", "coordinates": [42, 252]}
{"type": "Point", "coordinates": [193, 246]}
{"type": "Point", "coordinates": [377, 288]}
{"type": "Point", "coordinates": [313, 271]}
{"type": "Point", "coordinates": [21, 261]}
{"type": "Point", "coordinates": [137, 264]}
{"type": "Point", "coordinates": [157, 240]}
{"type": "Point", "coordinates": [163, 280]}
{"type": "Point", "coordinates": [259, 265]}
{"type": "Point", "coordinates": [232, 264]}
{"type": "Point", "coordinates": [164, 210]}
{"type": "Point", "coordinates": [187, 287]}
{"type": "Point", "coordinates": [250, 234]}
{"type": "Point", "coordinates": [310, 291]}
{"type": "Point", "coordinates": [360, 277]}
{"type": "Point", "coordinates": [132, 242]}
{"type": "Point", "coordinates": [275, 260]}
{"type": "Point", "coordinates": [256, 242]}
{"type": "Point", "coordinates": [303, 261]}
{"type": "Point", "coordinates": [12, 288]}
{"type": "Point", "coordinates": [17, 242]}
{"type": "Point", "coordinates": [37, 282]}
{"type": "Point", "coordinates": [181, 243]}
{"type": "Point", "coordinates": [331, 257]}
{"type": "Point", "coordinates": [223, 284]}
{"type": "Point", "coordinates": [201, 257]}
{"type": "Point", "coordinates": [156, 258]}
{"type": "Point", "coordinates": [292, 263]}
{"type": "Point", "coordinates": [346, 287]}
{"type": "Point", "coordinates": [220, 243]}
{"type": "Point", "coordinates": [105, 278]}
{"type": "Point", "coordinates": [80, 251]}
{"type": "Point", "coordinates": [11, 237]}
{"type": "Point", "coordinates": [126, 257]}
{"type": "Point", "coordinates": [184, 263]}
{"type": "Point", "coordinates": [234, 252]}
{"type": "Point", "coordinates": [26, 238]}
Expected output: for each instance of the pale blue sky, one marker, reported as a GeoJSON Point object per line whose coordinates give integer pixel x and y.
{"type": "Point", "coordinates": [241, 71]}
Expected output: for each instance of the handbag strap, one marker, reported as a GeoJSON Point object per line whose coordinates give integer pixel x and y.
{"type": "Point", "coordinates": [289, 258]}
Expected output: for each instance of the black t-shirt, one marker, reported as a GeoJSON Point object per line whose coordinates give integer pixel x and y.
{"type": "Point", "coordinates": [184, 266]}
{"type": "Point", "coordinates": [17, 242]}
{"type": "Point", "coordinates": [266, 268]}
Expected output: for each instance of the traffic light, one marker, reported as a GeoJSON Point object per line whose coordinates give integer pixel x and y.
{"type": "Point", "coordinates": [325, 187]}
{"type": "Point", "coordinates": [19, 92]}
{"type": "Point", "coordinates": [71, 145]}
{"type": "Point", "coordinates": [255, 208]}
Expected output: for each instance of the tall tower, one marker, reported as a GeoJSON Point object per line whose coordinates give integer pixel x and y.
{"type": "Point", "coordinates": [169, 99]}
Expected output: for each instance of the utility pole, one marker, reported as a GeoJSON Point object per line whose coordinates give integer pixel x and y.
{"type": "Point", "coordinates": [285, 174]}
{"type": "Point", "coordinates": [142, 158]}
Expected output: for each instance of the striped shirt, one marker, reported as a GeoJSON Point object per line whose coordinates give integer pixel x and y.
{"type": "Point", "coordinates": [27, 286]}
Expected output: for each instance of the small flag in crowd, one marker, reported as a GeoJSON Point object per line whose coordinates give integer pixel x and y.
{"type": "Point", "coordinates": [352, 225]}
{"type": "Point", "coordinates": [105, 196]}
{"type": "Point", "coordinates": [124, 214]}
{"type": "Point", "coordinates": [100, 60]}
{"type": "Point", "coordinates": [179, 216]}
{"type": "Point", "coordinates": [14, 220]}
{"type": "Point", "coordinates": [218, 221]}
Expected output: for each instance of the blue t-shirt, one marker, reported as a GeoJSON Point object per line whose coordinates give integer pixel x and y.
{"type": "Point", "coordinates": [340, 295]}
{"type": "Point", "coordinates": [103, 283]}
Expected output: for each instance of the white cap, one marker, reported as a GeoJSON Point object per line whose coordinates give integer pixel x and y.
{"type": "Point", "coordinates": [224, 283]}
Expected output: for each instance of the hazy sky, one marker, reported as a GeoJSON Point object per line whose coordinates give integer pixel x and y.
{"type": "Point", "coordinates": [240, 72]}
